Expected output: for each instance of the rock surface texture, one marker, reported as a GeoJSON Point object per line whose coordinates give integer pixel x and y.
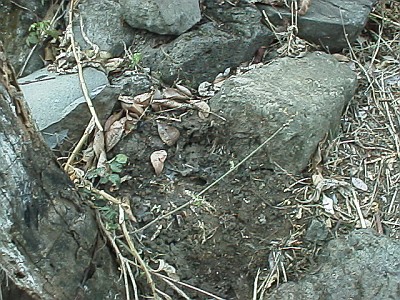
{"type": "Point", "coordinates": [359, 266]}
{"type": "Point", "coordinates": [309, 94]}
{"type": "Point", "coordinates": [102, 26]}
{"type": "Point", "coordinates": [327, 22]}
{"type": "Point", "coordinates": [161, 16]}
{"type": "Point", "coordinates": [58, 105]}
{"type": "Point", "coordinates": [232, 38]}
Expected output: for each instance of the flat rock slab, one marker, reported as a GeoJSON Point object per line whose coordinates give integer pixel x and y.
{"type": "Point", "coordinates": [309, 94]}
{"type": "Point", "coordinates": [327, 22]}
{"type": "Point", "coordinates": [162, 16]}
{"type": "Point", "coordinates": [57, 103]}
{"type": "Point", "coordinates": [362, 265]}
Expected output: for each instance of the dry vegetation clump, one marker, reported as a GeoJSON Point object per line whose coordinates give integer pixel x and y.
{"type": "Point", "coordinates": [354, 179]}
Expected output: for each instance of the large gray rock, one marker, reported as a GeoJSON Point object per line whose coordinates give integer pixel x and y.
{"type": "Point", "coordinates": [327, 22]}
{"type": "Point", "coordinates": [360, 266]}
{"type": "Point", "coordinates": [310, 93]}
{"type": "Point", "coordinates": [162, 16]}
{"type": "Point", "coordinates": [58, 106]}
{"type": "Point", "coordinates": [102, 25]}
{"type": "Point", "coordinates": [201, 54]}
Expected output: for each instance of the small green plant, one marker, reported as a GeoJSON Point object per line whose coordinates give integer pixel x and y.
{"type": "Point", "coordinates": [39, 31]}
{"type": "Point", "coordinates": [111, 173]}
{"type": "Point", "coordinates": [135, 59]}
{"type": "Point", "coordinates": [110, 214]}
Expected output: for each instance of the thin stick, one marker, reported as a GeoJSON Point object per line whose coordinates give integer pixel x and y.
{"type": "Point", "coordinates": [80, 144]}
{"type": "Point", "coordinates": [138, 258]}
{"type": "Point", "coordinates": [360, 215]}
{"type": "Point", "coordinates": [80, 70]}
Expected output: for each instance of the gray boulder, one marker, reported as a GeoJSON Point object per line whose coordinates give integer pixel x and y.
{"type": "Point", "coordinates": [327, 21]}
{"type": "Point", "coordinates": [58, 106]}
{"type": "Point", "coordinates": [309, 93]}
{"type": "Point", "coordinates": [199, 55]}
{"type": "Point", "coordinates": [360, 266]}
{"type": "Point", "coordinates": [102, 25]}
{"type": "Point", "coordinates": [162, 16]}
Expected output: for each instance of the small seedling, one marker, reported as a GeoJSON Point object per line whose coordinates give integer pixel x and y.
{"type": "Point", "coordinates": [110, 174]}
{"type": "Point", "coordinates": [135, 59]}
{"type": "Point", "coordinates": [39, 31]}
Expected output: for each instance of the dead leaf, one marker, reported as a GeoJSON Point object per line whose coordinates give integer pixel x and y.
{"type": "Point", "coordinates": [171, 93]}
{"type": "Point", "coordinates": [327, 204]}
{"type": "Point", "coordinates": [111, 119]}
{"type": "Point", "coordinates": [304, 7]}
{"type": "Point", "coordinates": [99, 149]}
{"type": "Point", "coordinates": [168, 134]}
{"type": "Point", "coordinates": [359, 184]}
{"type": "Point", "coordinates": [259, 55]}
{"type": "Point", "coordinates": [159, 105]}
{"type": "Point", "coordinates": [157, 159]}
{"type": "Point", "coordinates": [204, 109]}
{"type": "Point", "coordinates": [114, 134]}
{"type": "Point", "coordinates": [341, 57]}
{"type": "Point", "coordinates": [184, 90]}
{"type": "Point", "coordinates": [133, 107]}
{"type": "Point", "coordinates": [144, 99]}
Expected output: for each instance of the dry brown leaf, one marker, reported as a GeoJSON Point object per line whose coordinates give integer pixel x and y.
{"type": "Point", "coordinates": [304, 7]}
{"type": "Point", "coordinates": [184, 90]}
{"type": "Point", "coordinates": [168, 134]}
{"type": "Point", "coordinates": [159, 105]}
{"type": "Point", "coordinates": [133, 107]}
{"type": "Point", "coordinates": [111, 119]}
{"type": "Point", "coordinates": [143, 99]}
{"type": "Point", "coordinates": [204, 109]}
{"type": "Point", "coordinates": [341, 57]}
{"type": "Point", "coordinates": [114, 134]}
{"type": "Point", "coordinates": [171, 93]}
{"type": "Point", "coordinates": [99, 149]}
{"type": "Point", "coordinates": [157, 159]}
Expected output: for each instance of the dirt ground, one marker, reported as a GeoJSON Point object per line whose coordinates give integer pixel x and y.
{"type": "Point", "coordinates": [220, 241]}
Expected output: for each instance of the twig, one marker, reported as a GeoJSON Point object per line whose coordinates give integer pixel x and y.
{"type": "Point", "coordinates": [80, 69]}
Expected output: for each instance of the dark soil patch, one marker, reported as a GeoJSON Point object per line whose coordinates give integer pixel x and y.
{"type": "Point", "coordinates": [220, 241]}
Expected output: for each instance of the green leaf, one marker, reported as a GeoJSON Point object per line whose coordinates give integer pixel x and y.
{"type": "Point", "coordinates": [115, 167]}
{"type": "Point", "coordinates": [121, 158]}
{"type": "Point", "coordinates": [114, 179]}
{"type": "Point", "coordinates": [32, 39]}
{"type": "Point", "coordinates": [103, 180]}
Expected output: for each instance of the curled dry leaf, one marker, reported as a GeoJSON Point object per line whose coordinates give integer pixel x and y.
{"type": "Point", "coordinates": [111, 119]}
{"type": "Point", "coordinates": [159, 105]}
{"type": "Point", "coordinates": [341, 57]}
{"type": "Point", "coordinates": [204, 109]}
{"type": "Point", "coordinates": [304, 7]}
{"type": "Point", "coordinates": [168, 134]}
{"type": "Point", "coordinates": [114, 134]}
{"type": "Point", "coordinates": [184, 90]}
{"type": "Point", "coordinates": [171, 93]}
{"type": "Point", "coordinates": [99, 149]}
{"type": "Point", "coordinates": [143, 99]}
{"type": "Point", "coordinates": [157, 159]}
{"type": "Point", "coordinates": [133, 107]}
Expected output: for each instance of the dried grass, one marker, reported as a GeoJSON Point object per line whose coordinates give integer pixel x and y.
{"type": "Point", "coordinates": [367, 150]}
